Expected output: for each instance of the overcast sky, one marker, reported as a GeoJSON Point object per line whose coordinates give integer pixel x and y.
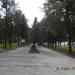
{"type": "Point", "coordinates": [31, 9]}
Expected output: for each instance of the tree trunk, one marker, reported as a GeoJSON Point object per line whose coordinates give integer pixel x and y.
{"type": "Point", "coordinates": [18, 41]}
{"type": "Point", "coordinates": [6, 28]}
{"type": "Point", "coordinates": [52, 44]}
{"type": "Point", "coordinates": [55, 45]}
{"type": "Point", "coordinates": [48, 44]}
{"type": "Point", "coordinates": [60, 44]}
{"type": "Point", "coordinates": [3, 43]}
{"type": "Point", "coordinates": [10, 42]}
{"type": "Point", "coordinates": [69, 43]}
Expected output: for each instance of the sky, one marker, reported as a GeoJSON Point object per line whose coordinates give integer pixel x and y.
{"type": "Point", "coordinates": [32, 9]}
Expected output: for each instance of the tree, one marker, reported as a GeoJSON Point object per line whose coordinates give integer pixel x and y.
{"type": "Point", "coordinates": [69, 20]}
{"type": "Point", "coordinates": [46, 35]}
{"type": "Point", "coordinates": [13, 23]}
{"type": "Point", "coordinates": [54, 18]}
{"type": "Point", "coordinates": [17, 21]}
{"type": "Point", "coordinates": [21, 26]}
{"type": "Point", "coordinates": [60, 15]}
{"type": "Point", "coordinates": [35, 32]}
{"type": "Point", "coordinates": [24, 28]}
{"type": "Point", "coordinates": [2, 28]}
{"type": "Point", "coordinates": [8, 6]}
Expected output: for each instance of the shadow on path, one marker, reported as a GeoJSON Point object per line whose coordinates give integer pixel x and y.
{"type": "Point", "coordinates": [71, 55]}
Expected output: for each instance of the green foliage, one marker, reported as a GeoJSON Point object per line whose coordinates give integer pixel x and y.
{"type": "Point", "coordinates": [60, 18]}
{"type": "Point", "coordinates": [35, 30]}
{"type": "Point", "coordinates": [54, 16]}
{"type": "Point", "coordinates": [13, 24]}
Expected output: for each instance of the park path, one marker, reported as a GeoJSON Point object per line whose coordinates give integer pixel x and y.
{"type": "Point", "coordinates": [48, 62]}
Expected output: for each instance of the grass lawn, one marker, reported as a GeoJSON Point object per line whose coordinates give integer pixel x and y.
{"type": "Point", "coordinates": [62, 50]}
{"type": "Point", "coordinates": [2, 50]}
{"type": "Point", "coordinates": [65, 50]}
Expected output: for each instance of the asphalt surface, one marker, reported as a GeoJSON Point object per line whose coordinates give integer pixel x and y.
{"type": "Point", "coordinates": [48, 62]}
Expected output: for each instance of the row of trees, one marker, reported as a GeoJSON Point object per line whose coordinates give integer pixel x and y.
{"type": "Point", "coordinates": [13, 24]}
{"type": "Point", "coordinates": [60, 15]}
{"type": "Point", "coordinates": [58, 24]}
{"type": "Point", "coordinates": [60, 18]}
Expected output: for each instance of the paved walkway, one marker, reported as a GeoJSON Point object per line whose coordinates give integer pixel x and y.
{"type": "Point", "coordinates": [48, 62]}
